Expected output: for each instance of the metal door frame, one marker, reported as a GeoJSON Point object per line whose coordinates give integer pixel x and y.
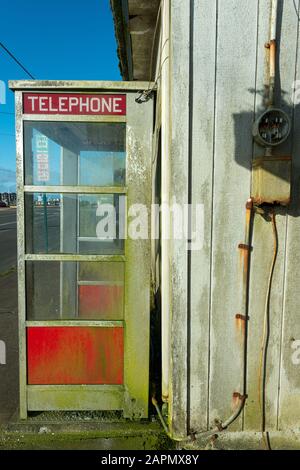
{"type": "Point", "coordinates": [132, 397]}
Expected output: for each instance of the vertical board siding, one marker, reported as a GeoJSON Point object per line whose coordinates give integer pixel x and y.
{"type": "Point", "coordinates": [227, 91]}
{"type": "Point", "coordinates": [236, 63]}
{"type": "Point", "coordinates": [289, 387]}
{"type": "Point", "coordinates": [180, 47]}
{"type": "Point", "coordinates": [261, 239]}
{"type": "Point", "coordinates": [204, 60]}
{"type": "Point", "coordinates": [262, 233]}
{"type": "Point", "coordinates": [262, 254]}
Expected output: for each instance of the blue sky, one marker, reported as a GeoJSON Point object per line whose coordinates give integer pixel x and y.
{"type": "Point", "coordinates": [57, 39]}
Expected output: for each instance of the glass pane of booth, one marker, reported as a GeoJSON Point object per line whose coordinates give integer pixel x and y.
{"type": "Point", "coordinates": [74, 223]}
{"type": "Point", "coordinates": [74, 290]}
{"type": "Point", "coordinates": [74, 153]}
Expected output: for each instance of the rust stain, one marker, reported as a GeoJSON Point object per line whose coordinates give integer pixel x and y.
{"type": "Point", "coordinates": [237, 398]}
{"type": "Point", "coordinates": [244, 258]}
{"type": "Point", "coordinates": [272, 45]}
{"type": "Point", "coordinates": [259, 161]}
{"type": "Point", "coordinates": [240, 324]}
{"type": "Point", "coordinates": [243, 247]}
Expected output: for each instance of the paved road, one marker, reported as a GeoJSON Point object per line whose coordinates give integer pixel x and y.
{"type": "Point", "coordinates": [9, 335]}
{"type": "Point", "coordinates": [8, 239]}
{"type": "Point", "coordinates": [8, 313]}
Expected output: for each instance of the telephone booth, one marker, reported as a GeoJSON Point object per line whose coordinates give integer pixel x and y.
{"type": "Point", "coordinates": [83, 183]}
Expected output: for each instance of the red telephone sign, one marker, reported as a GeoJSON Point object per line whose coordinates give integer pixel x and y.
{"type": "Point", "coordinates": [76, 104]}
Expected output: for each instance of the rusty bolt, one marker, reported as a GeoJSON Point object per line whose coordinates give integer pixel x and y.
{"type": "Point", "coordinates": [242, 246]}
{"type": "Point", "coordinates": [239, 396]}
{"type": "Point", "coordinates": [219, 425]}
{"type": "Point", "coordinates": [240, 317]}
{"type": "Point", "coordinates": [249, 203]}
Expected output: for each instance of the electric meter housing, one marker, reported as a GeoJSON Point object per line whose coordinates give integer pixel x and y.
{"type": "Point", "coordinates": [272, 128]}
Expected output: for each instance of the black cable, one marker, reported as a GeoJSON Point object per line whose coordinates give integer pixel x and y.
{"type": "Point", "coordinates": [16, 60]}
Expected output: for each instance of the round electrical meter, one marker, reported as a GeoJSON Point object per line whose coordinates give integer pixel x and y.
{"type": "Point", "coordinates": [272, 128]}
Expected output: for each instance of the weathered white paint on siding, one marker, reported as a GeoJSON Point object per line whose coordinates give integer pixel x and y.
{"type": "Point", "coordinates": [289, 387]}
{"type": "Point", "coordinates": [236, 63]}
{"type": "Point", "coordinates": [226, 92]}
{"type": "Point", "coordinates": [263, 238]}
{"type": "Point", "coordinates": [262, 255]}
{"type": "Point", "coordinates": [179, 44]}
{"type": "Point", "coordinates": [202, 187]}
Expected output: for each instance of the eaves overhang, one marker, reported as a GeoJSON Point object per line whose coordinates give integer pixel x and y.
{"type": "Point", "coordinates": [135, 29]}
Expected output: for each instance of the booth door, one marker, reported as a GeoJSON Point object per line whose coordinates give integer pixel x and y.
{"type": "Point", "coordinates": [82, 331]}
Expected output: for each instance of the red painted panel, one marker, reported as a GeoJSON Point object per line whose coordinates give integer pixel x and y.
{"type": "Point", "coordinates": [75, 104]}
{"type": "Point", "coordinates": [104, 302]}
{"type": "Point", "coordinates": [75, 355]}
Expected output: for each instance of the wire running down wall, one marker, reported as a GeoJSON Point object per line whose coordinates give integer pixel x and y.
{"type": "Point", "coordinates": [219, 78]}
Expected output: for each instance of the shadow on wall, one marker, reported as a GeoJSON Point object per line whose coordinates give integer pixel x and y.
{"type": "Point", "coordinates": [243, 123]}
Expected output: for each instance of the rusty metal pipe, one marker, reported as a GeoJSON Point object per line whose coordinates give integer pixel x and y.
{"type": "Point", "coordinates": [243, 318]}
{"type": "Point", "coordinates": [272, 46]}
{"type": "Point", "coordinates": [245, 289]}
{"type": "Point", "coordinates": [222, 425]}
{"type": "Point", "coordinates": [191, 437]}
{"type": "Point", "coordinates": [272, 72]}
{"type": "Point", "coordinates": [274, 14]}
{"type": "Point", "coordinates": [165, 200]}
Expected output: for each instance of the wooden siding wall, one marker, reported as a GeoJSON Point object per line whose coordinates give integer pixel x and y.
{"type": "Point", "coordinates": [218, 70]}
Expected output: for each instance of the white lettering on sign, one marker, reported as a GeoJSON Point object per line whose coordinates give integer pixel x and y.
{"type": "Point", "coordinates": [116, 105]}
{"type": "Point", "coordinates": [72, 102]}
{"type": "Point", "coordinates": [32, 99]}
{"type": "Point", "coordinates": [43, 104]}
{"type": "Point", "coordinates": [54, 103]}
{"type": "Point", "coordinates": [107, 104]}
{"type": "Point", "coordinates": [84, 106]}
{"type": "Point", "coordinates": [62, 104]}
{"type": "Point", "coordinates": [42, 158]}
{"type": "Point", "coordinates": [95, 105]}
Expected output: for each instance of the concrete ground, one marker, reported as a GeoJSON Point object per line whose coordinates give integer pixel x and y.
{"type": "Point", "coordinates": [8, 314]}
{"type": "Point", "coordinates": [95, 435]}
{"type": "Point", "coordinates": [9, 334]}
